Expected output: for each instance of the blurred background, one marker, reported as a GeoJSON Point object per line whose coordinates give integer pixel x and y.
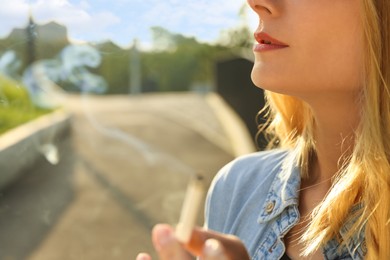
{"type": "Point", "coordinates": [108, 109]}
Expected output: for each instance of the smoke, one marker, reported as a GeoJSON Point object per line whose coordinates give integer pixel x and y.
{"type": "Point", "coordinates": [45, 81]}
{"type": "Point", "coordinates": [10, 64]}
{"type": "Point", "coordinates": [70, 68]}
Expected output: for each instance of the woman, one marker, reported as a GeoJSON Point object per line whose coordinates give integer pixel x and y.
{"type": "Point", "coordinates": [324, 194]}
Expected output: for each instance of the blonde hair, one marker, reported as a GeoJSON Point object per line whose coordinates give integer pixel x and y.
{"type": "Point", "coordinates": [365, 178]}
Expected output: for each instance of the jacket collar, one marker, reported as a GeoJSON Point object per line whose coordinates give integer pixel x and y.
{"type": "Point", "coordinates": [284, 190]}
{"type": "Point", "coordinates": [356, 244]}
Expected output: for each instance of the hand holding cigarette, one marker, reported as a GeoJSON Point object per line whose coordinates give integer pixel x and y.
{"type": "Point", "coordinates": [177, 243]}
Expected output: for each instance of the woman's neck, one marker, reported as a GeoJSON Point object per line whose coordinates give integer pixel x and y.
{"type": "Point", "coordinates": [336, 120]}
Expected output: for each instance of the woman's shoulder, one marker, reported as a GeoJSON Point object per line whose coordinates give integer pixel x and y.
{"type": "Point", "coordinates": [248, 174]}
{"type": "Point", "coordinates": [240, 186]}
{"type": "Point", "coordinates": [260, 165]}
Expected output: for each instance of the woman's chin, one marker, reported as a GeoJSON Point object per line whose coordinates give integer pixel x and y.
{"type": "Point", "coordinates": [262, 82]}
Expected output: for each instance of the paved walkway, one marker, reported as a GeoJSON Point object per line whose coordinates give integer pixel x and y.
{"type": "Point", "coordinates": [125, 168]}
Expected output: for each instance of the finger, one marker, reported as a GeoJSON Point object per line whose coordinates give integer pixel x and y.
{"type": "Point", "coordinates": [213, 250]}
{"type": "Point", "coordinates": [232, 243]}
{"type": "Point", "coordinates": [166, 245]}
{"type": "Point", "coordinates": [143, 256]}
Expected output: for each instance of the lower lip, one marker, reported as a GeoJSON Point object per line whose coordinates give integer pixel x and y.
{"type": "Point", "coordinates": [261, 47]}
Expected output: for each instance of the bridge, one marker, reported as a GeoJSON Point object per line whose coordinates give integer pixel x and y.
{"type": "Point", "coordinates": [123, 168]}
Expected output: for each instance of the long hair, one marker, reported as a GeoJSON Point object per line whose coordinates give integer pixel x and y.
{"type": "Point", "coordinates": [365, 178]}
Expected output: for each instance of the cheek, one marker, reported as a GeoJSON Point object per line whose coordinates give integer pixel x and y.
{"type": "Point", "coordinates": [333, 49]}
{"type": "Point", "coordinates": [347, 69]}
{"type": "Point", "coordinates": [336, 64]}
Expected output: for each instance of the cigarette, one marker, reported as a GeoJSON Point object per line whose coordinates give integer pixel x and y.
{"type": "Point", "coordinates": [190, 209]}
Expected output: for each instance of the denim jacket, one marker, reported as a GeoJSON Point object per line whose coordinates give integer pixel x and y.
{"type": "Point", "coordinates": [255, 197]}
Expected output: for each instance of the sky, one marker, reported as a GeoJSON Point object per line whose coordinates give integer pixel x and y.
{"type": "Point", "coordinates": [124, 20]}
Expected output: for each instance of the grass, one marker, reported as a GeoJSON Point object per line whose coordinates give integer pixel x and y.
{"type": "Point", "coordinates": [16, 107]}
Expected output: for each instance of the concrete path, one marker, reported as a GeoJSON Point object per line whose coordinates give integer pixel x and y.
{"type": "Point", "coordinates": [124, 169]}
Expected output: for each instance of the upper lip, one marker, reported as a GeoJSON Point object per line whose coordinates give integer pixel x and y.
{"type": "Point", "coordinates": [264, 38]}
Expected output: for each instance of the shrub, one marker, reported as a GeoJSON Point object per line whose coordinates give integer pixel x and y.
{"type": "Point", "coordinates": [16, 107]}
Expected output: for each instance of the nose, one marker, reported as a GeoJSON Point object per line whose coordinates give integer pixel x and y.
{"type": "Point", "coordinates": [264, 8]}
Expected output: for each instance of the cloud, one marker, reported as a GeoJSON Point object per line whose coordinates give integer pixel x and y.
{"type": "Point", "coordinates": [123, 20]}
{"type": "Point", "coordinates": [82, 21]}
{"type": "Point", "coordinates": [202, 18]}
{"type": "Point", "coordinates": [13, 14]}
{"type": "Point", "coordinates": [199, 13]}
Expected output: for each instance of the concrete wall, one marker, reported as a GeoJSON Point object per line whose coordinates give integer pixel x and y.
{"type": "Point", "coordinates": [22, 146]}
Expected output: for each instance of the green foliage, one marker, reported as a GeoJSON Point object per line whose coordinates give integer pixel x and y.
{"type": "Point", "coordinates": [238, 37]}
{"type": "Point", "coordinates": [179, 61]}
{"type": "Point", "coordinates": [15, 105]}
{"type": "Point", "coordinates": [176, 62]}
{"type": "Point", "coordinates": [114, 67]}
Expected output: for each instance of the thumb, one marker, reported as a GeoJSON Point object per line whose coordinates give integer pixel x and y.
{"type": "Point", "coordinates": [166, 245]}
{"type": "Point", "coordinates": [213, 250]}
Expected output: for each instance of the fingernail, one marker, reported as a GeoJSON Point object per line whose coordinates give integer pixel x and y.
{"type": "Point", "coordinates": [142, 256]}
{"type": "Point", "coordinates": [164, 237]}
{"type": "Point", "coordinates": [212, 248]}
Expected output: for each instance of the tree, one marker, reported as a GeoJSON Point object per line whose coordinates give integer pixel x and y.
{"type": "Point", "coordinates": [179, 61]}
{"type": "Point", "coordinates": [114, 67]}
